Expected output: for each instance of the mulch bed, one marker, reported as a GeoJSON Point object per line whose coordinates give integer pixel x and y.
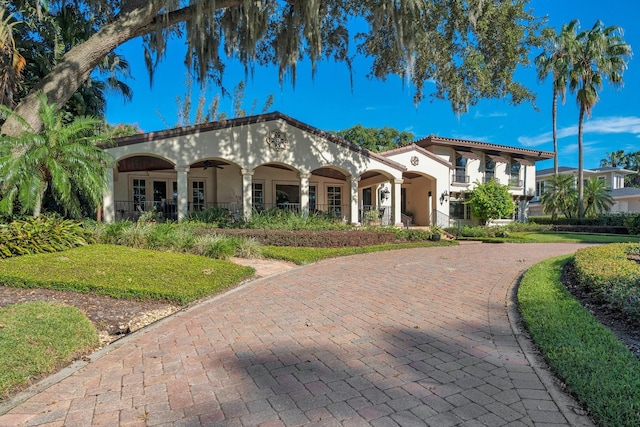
{"type": "Point", "coordinates": [110, 315]}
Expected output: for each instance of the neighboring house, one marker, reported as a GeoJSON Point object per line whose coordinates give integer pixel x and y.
{"type": "Point", "coordinates": [626, 199]}
{"type": "Point", "coordinates": [272, 160]}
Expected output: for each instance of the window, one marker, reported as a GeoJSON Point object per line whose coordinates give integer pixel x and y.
{"type": "Point", "coordinates": [139, 189]}
{"type": "Point", "coordinates": [197, 195]}
{"type": "Point", "coordinates": [539, 189]}
{"type": "Point", "coordinates": [514, 174]}
{"type": "Point", "coordinates": [489, 168]}
{"type": "Point", "coordinates": [618, 181]}
{"type": "Point", "coordinates": [461, 169]}
{"type": "Point", "coordinates": [312, 198]}
{"type": "Point", "coordinates": [459, 210]}
{"type": "Point", "coordinates": [334, 199]}
{"type": "Point", "coordinates": [257, 195]}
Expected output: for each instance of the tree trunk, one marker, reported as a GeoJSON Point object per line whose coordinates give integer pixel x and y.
{"type": "Point", "coordinates": [76, 65]}
{"type": "Point", "coordinates": [137, 17]}
{"type": "Point", "coordinates": [37, 206]}
{"type": "Point", "coordinates": [580, 165]}
{"type": "Point", "coordinates": [554, 117]}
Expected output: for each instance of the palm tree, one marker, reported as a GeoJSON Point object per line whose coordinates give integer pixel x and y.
{"type": "Point", "coordinates": [613, 159]}
{"type": "Point", "coordinates": [596, 197]}
{"type": "Point", "coordinates": [556, 60]}
{"type": "Point", "coordinates": [64, 158]}
{"type": "Point", "coordinates": [560, 195]}
{"type": "Point", "coordinates": [601, 54]}
{"type": "Point", "coordinates": [11, 61]}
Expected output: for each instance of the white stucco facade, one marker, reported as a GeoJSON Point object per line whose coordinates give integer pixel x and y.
{"type": "Point", "coordinates": [274, 161]}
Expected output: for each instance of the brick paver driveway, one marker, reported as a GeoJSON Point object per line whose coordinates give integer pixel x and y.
{"type": "Point", "coordinates": [408, 337]}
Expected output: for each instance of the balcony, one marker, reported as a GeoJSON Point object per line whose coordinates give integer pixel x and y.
{"type": "Point", "coordinates": [515, 182]}
{"type": "Point", "coordinates": [488, 176]}
{"type": "Point", "coordinates": [459, 177]}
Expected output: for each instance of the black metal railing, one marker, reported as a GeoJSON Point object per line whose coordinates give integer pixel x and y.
{"type": "Point", "coordinates": [515, 182]}
{"type": "Point", "coordinates": [372, 215]}
{"type": "Point", "coordinates": [460, 177]}
{"type": "Point", "coordinates": [132, 210]}
{"type": "Point", "coordinates": [488, 176]}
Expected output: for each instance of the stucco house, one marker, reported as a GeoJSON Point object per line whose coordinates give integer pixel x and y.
{"type": "Point", "coordinates": [272, 160]}
{"type": "Point", "coordinates": [626, 199]}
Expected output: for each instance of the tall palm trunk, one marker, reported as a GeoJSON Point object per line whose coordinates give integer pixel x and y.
{"type": "Point", "coordinates": [580, 164]}
{"type": "Point", "coordinates": [554, 119]}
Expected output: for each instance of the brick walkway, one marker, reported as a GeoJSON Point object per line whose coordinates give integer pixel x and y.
{"type": "Point", "coordinates": [408, 337]}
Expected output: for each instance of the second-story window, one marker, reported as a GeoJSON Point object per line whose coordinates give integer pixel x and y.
{"type": "Point", "coordinates": [460, 174]}
{"type": "Point", "coordinates": [489, 168]}
{"type": "Point", "coordinates": [514, 174]}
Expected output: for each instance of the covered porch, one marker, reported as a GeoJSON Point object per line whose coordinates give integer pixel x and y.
{"type": "Point", "coordinates": [248, 166]}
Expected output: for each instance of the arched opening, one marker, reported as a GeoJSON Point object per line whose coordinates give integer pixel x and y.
{"type": "Point", "coordinates": [419, 201]}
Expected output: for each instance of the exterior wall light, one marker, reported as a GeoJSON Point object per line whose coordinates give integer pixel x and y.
{"type": "Point", "coordinates": [444, 197]}
{"type": "Point", "coordinates": [384, 194]}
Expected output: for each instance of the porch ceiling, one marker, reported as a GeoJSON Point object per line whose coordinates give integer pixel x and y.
{"type": "Point", "coordinates": [143, 163]}
{"type": "Point", "coordinates": [329, 173]}
{"type": "Point", "coordinates": [149, 163]}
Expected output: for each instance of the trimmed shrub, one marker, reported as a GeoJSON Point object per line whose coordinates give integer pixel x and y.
{"type": "Point", "coordinates": [632, 222]}
{"type": "Point", "coordinates": [609, 273]}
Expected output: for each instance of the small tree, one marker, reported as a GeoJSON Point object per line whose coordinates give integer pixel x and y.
{"type": "Point", "coordinates": [560, 195]}
{"type": "Point", "coordinates": [491, 201]}
{"type": "Point", "coordinates": [597, 198]}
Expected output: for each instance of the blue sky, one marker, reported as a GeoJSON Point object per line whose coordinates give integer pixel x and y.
{"type": "Point", "coordinates": [329, 102]}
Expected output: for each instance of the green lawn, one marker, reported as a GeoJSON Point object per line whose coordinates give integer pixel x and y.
{"type": "Point", "coordinates": [302, 255]}
{"type": "Point", "coordinates": [575, 237]}
{"type": "Point", "coordinates": [601, 371]}
{"type": "Point", "coordinates": [37, 338]}
{"type": "Point", "coordinates": [123, 272]}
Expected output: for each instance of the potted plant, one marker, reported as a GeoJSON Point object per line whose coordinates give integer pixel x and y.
{"type": "Point", "coordinates": [372, 217]}
{"type": "Point", "coordinates": [436, 233]}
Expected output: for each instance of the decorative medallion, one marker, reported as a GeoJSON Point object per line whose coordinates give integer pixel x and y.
{"type": "Point", "coordinates": [277, 140]}
{"type": "Point", "coordinates": [415, 160]}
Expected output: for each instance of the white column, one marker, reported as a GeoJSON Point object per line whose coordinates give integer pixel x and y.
{"type": "Point", "coordinates": [396, 194]}
{"type": "Point", "coordinates": [304, 193]}
{"type": "Point", "coordinates": [109, 210]}
{"type": "Point", "coordinates": [247, 193]}
{"type": "Point", "coordinates": [183, 191]}
{"type": "Point", "coordinates": [353, 198]}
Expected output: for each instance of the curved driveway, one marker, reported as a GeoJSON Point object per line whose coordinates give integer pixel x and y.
{"type": "Point", "coordinates": [408, 337]}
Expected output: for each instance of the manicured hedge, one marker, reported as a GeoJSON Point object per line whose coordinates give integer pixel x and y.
{"type": "Point", "coordinates": [609, 273]}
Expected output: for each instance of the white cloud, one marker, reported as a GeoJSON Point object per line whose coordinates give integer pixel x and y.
{"type": "Point", "coordinates": [588, 148]}
{"type": "Point", "coordinates": [605, 125]}
{"type": "Point", "coordinates": [479, 115]}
